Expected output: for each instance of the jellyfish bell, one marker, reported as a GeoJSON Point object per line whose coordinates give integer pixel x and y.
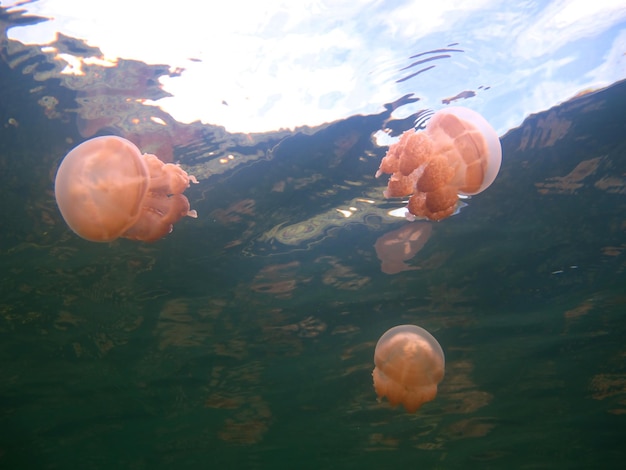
{"type": "Point", "coordinates": [409, 365]}
{"type": "Point", "coordinates": [106, 189]}
{"type": "Point", "coordinates": [458, 153]}
{"type": "Point", "coordinates": [475, 149]}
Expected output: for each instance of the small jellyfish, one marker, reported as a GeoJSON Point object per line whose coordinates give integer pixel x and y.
{"type": "Point", "coordinates": [458, 153]}
{"type": "Point", "coordinates": [106, 189]}
{"type": "Point", "coordinates": [409, 365]}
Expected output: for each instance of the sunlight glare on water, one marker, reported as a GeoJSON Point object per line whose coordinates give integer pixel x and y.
{"type": "Point", "coordinates": [255, 67]}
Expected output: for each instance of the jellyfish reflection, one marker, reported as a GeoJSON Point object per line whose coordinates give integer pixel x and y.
{"type": "Point", "coordinates": [409, 365]}
{"type": "Point", "coordinates": [398, 246]}
{"type": "Point", "coordinates": [457, 153]}
{"type": "Point", "coordinates": [106, 189]}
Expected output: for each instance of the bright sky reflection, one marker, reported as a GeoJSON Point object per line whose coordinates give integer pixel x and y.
{"type": "Point", "coordinates": [262, 66]}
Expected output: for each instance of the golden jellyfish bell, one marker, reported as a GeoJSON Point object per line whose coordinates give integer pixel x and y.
{"type": "Point", "coordinates": [409, 365]}
{"type": "Point", "coordinates": [106, 189]}
{"type": "Point", "coordinates": [458, 153]}
{"type": "Point", "coordinates": [475, 153]}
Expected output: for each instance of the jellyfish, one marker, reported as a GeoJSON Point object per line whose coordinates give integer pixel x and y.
{"type": "Point", "coordinates": [458, 153]}
{"type": "Point", "coordinates": [106, 189]}
{"type": "Point", "coordinates": [409, 365]}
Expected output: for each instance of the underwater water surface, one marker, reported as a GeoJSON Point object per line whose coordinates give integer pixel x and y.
{"type": "Point", "coordinates": [245, 338]}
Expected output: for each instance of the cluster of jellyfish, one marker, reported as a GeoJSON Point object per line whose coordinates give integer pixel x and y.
{"type": "Point", "coordinates": [458, 153]}
{"type": "Point", "coordinates": [106, 189]}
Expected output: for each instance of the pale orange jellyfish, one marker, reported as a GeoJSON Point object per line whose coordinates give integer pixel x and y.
{"type": "Point", "coordinates": [398, 246]}
{"type": "Point", "coordinates": [458, 153]}
{"type": "Point", "coordinates": [106, 189]}
{"type": "Point", "coordinates": [409, 365]}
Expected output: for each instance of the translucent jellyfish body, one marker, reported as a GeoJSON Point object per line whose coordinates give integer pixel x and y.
{"type": "Point", "coordinates": [409, 365]}
{"type": "Point", "coordinates": [458, 153]}
{"type": "Point", "coordinates": [106, 189]}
